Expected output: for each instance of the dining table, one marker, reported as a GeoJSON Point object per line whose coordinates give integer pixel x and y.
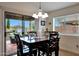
{"type": "Point", "coordinates": [33, 42]}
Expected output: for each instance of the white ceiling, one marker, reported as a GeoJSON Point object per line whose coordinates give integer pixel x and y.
{"type": "Point", "coordinates": [34, 6]}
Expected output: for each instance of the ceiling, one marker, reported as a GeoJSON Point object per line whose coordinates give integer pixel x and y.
{"type": "Point", "coordinates": [31, 7]}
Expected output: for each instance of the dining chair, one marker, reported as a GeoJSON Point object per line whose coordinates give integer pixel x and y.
{"type": "Point", "coordinates": [43, 49]}
{"type": "Point", "coordinates": [32, 36]}
{"type": "Point", "coordinates": [54, 43]}
{"type": "Point", "coordinates": [22, 50]}
{"type": "Point", "coordinates": [12, 38]}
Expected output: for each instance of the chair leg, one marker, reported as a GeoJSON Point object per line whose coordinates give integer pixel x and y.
{"type": "Point", "coordinates": [35, 53]}
{"type": "Point", "coordinates": [38, 53]}
{"type": "Point", "coordinates": [50, 54]}
{"type": "Point", "coordinates": [43, 53]}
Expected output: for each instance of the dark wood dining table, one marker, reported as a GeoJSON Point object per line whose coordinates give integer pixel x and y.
{"type": "Point", "coordinates": [35, 41]}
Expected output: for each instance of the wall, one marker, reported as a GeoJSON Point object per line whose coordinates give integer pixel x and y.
{"type": "Point", "coordinates": [1, 32]}
{"type": "Point", "coordinates": [66, 42]}
{"type": "Point", "coordinates": [40, 28]}
{"type": "Point", "coordinates": [15, 11]}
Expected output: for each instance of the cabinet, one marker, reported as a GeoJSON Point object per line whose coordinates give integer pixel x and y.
{"type": "Point", "coordinates": [69, 43]}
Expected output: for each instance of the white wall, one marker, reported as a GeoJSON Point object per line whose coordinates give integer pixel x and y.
{"type": "Point", "coordinates": [39, 28]}
{"type": "Point", "coordinates": [15, 11]}
{"type": "Point", "coordinates": [1, 32]}
{"type": "Point", "coordinates": [66, 42]}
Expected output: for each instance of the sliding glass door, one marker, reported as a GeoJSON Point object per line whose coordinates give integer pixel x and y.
{"type": "Point", "coordinates": [16, 23]}
{"type": "Point", "coordinates": [12, 26]}
{"type": "Point", "coordinates": [16, 26]}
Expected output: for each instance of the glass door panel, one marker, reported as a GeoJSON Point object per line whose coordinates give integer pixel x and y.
{"type": "Point", "coordinates": [12, 26]}
{"type": "Point", "coordinates": [32, 25]}
{"type": "Point", "coordinates": [29, 26]}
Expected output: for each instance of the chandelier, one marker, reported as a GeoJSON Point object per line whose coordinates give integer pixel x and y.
{"type": "Point", "coordinates": [40, 13]}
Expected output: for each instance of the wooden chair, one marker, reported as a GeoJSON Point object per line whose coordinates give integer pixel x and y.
{"type": "Point", "coordinates": [51, 46]}
{"type": "Point", "coordinates": [54, 43]}
{"type": "Point", "coordinates": [12, 38]}
{"type": "Point", "coordinates": [42, 48]}
{"type": "Point", "coordinates": [32, 36]}
{"type": "Point", "coordinates": [22, 50]}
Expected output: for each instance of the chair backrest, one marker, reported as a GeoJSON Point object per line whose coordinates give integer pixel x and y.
{"type": "Point", "coordinates": [54, 35]}
{"type": "Point", "coordinates": [54, 38]}
{"type": "Point", "coordinates": [18, 41]}
{"type": "Point", "coordinates": [19, 44]}
{"type": "Point", "coordinates": [31, 35]}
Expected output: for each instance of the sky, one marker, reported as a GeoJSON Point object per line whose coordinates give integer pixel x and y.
{"type": "Point", "coordinates": [17, 22]}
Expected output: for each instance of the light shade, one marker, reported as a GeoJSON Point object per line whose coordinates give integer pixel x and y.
{"type": "Point", "coordinates": [35, 16]}
{"type": "Point", "coordinates": [46, 15]}
{"type": "Point", "coordinates": [40, 14]}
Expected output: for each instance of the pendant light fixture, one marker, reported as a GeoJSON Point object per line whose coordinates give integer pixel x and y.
{"type": "Point", "coordinates": [40, 13]}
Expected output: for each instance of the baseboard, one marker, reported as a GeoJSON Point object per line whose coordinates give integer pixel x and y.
{"type": "Point", "coordinates": [11, 54]}
{"type": "Point", "coordinates": [69, 51]}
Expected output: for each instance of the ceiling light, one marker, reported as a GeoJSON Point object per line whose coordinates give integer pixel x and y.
{"type": "Point", "coordinates": [40, 13]}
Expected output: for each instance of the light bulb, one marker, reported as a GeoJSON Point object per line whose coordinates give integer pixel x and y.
{"type": "Point", "coordinates": [46, 15]}
{"type": "Point", "coordinates": [35, 16]}
{"type": "Point", "coordinates": [43, 16]}
{"type": "Point", "coordinates": [39, 14]}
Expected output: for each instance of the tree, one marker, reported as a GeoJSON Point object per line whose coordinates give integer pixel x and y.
{"type": "Point", "coordinates": [33, 25]}
{"type": "Point", "coordinates": [8, 24]}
